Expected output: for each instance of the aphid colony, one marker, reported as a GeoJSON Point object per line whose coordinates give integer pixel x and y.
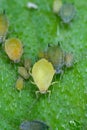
{"type": "Point", "coordinates": [66, 11]}
{"type": "Point", "coordinates": [50, 62]}
{"type": "Point", "coordinates": [57, 57]}
{"type": "Point", "coordinates": [43, 70]}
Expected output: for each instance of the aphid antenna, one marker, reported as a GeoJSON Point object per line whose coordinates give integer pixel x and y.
{"type": "Point", "coordinates": [33, 104]}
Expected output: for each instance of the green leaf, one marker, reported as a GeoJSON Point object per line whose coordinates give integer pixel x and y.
{"type": "Point", "coordinates": [37, 28]}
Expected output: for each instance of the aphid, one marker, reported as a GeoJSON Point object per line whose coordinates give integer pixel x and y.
{"type": "Point", "coordinates": [58, 58]}
{"type": "Point", "coordinates": [55, 55]}
{"type": "Point", "coordinates": [27, 64]}
{"type": "Point", "coordinates": [23, 72]}
{"type": "Point", "coordinates": [31, 5]}
{"type": "Point", "coordinates": [19, 84]}
{"type": "Point", "coordinates": [67, 12]}
{"type": "Point", "coordinates": [4, 24]}
{"type": "Point", "coordinates": [42, 73]}
{"type": "Point", "coordinates": [14, 49]}
{"type": "Point", "coordinates": [57, 4]}
{"type": "Point", "coordinates": [69, 60]}
{"type": "Point", "coordinates": [34, 125]}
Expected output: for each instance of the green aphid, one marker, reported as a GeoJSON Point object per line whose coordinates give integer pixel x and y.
{"type": "Point", "coordinates": [34, 125]}
{"type": "Point", "coordinates": [57, 4]}
{"type": "Point", "coordinates": [55, 55]}
{"type": "Point", "coordinates": [23, 72]}
{"type": "Point", "coordinates": [58, 58]}
{"type": "Point", "coordinates": [4, 24]}
{"type": "Point", "coordinates": [67, 12]}
{"type": "Point", "coordinates": [27, 63]}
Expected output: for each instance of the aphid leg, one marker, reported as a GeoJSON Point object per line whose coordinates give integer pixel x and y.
{"type": "Point", "coordinates": [30, 72]}
{"type": "Point", "coordinates": [37, 92]}
{"type": "Point", "coordinates": [49, 92]}
{"type": "Point", "coordinates": [32, 82]}
{"type": "Point", "coordinates": [54, 82]}
{"type": "Point", "coordinates": [61, 74]}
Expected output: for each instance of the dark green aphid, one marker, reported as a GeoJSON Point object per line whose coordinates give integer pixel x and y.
{"type": "Point", "coordinates": [55, 55]}
{"type": "Point", "coordinates": [58, 57]}
{"type": "Point", "coordinates": [34, 125]}
{"type": "Point", "coordinates": [67, 12]}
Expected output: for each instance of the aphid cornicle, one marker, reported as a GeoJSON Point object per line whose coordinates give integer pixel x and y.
{"type": "Point", "coordinates": [14, 49]}
{"type": "Point", "coordinates": [34, 125]}
{"type": "Point", "coordinates": [42, 73]}
{"type": "Point", "coordinates": [4, 24]}
{"type": "Point", "coordinates": [67, 12]}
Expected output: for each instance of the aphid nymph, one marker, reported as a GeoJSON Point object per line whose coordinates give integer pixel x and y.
{"type": "Point", "coordinates": [14, 49]}
{"type": "Point", "coordinates": [34, 125]}
{"type": "Point", "coordinates": [55, 55]}
{"type": "Point", "coordinates": [69, 60]}
{"type": "Point", "coordinates": [19, 84]}
{"type": "Point", "coordinates": [4, 24]}
{"type": "Point", "coordinates": [67, 12]}
{"type": "Point", "coordinates": [23, 72]}
{"type": "Point", "coordinates": [57, 4]}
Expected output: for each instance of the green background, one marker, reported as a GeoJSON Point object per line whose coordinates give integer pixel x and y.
{"type": "Point", "coordinates": [67, 107]}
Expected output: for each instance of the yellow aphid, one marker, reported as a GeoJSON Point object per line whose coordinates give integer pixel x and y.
{"type": "Point", "coordinates": [57, 4]}
{"type": "Point", "coordinates": [23, 72]}
{"type": "Point", "coordinates": [19, 83]}
{"type": "Point", "coordinates": [42, 73]}
{"type": "Point", "coordinates": [4, 24]}
{"type": "Point", "coordinates": [14, 49]}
